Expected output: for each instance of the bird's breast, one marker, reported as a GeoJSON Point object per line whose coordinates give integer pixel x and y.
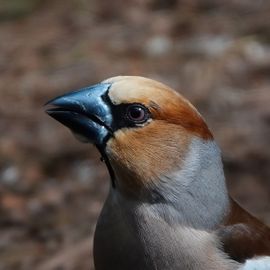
{"type": "Point", "coordinates": [130, 236]}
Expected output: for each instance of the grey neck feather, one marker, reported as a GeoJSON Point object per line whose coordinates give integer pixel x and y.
{"type": "Point", "coordinates": [196, 195]}
{"type": "Point", "coordinates": [174, 232]}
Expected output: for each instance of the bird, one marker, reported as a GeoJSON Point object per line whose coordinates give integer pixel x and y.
{"type": "Point", "coordinates": [168, 206]}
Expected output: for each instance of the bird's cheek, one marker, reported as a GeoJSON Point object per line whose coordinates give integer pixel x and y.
{"type": "Point", "coordinates": [125, 160]}
{"type": "Point", "coordinates": [134, 161]}
{"type": "Point", "coordinates": [140, 157]}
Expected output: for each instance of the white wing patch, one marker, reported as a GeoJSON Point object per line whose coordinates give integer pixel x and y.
{"type": "Point", "coordinates": [261, 263]}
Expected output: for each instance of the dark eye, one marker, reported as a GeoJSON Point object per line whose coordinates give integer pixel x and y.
{"type": "Point", "coordinates": [137, 113]}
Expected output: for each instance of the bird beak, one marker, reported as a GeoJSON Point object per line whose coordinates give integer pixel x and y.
{"type": "Point", "coordinates": [85, 112]}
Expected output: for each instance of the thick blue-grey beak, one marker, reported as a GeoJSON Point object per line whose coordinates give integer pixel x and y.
{"type": "Point", "coordinates": [85, 112]}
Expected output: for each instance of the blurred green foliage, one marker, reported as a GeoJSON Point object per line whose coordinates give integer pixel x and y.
{"type": "Point", "coordinates": [13, 9]}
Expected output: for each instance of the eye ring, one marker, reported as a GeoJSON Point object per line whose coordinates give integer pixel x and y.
{"type": "Point", "coordinates": [137, 113]}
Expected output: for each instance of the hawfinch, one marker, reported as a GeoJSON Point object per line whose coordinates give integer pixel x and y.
{"type": "Point", "coordinates": [168, 207]}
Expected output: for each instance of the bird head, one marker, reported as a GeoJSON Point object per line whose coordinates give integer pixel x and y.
{"type": "Point", "coordinates": [145, 131]}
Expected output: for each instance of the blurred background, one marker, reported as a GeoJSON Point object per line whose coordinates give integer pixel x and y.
{"type": "Point", "coordinates": [52, 187]}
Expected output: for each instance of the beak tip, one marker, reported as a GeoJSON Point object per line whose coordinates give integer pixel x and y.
{"type": "Point", "coordinates": [47, 111]}
{"type": "Point", "coordinates": [48, 106]}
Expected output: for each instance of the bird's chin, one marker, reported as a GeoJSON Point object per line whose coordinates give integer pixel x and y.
{"type": "Point", "coordinates": [84, 128]}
